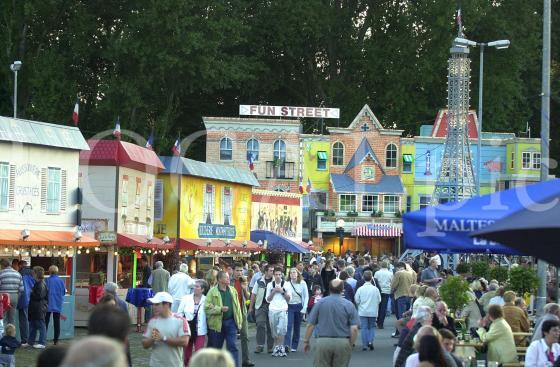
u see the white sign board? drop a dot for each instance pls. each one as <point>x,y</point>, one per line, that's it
<point>288,111</point>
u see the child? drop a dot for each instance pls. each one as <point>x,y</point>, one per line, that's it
<point>9,344</point>
<point>317,295</point>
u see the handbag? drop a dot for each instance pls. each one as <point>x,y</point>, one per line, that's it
<point>194,323</point>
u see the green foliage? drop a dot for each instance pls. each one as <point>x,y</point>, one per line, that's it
<point>463,268</point>
<point>500,273</point>
<point>454,292</point>
<point>352,214</point>
<point>480,269</point>
<point>522,280</point>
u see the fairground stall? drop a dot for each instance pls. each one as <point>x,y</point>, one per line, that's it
<point>39,202</point>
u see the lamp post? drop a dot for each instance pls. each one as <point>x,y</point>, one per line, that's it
<point>15,67</point>
<point>340,233</point>
<point>463,42</point>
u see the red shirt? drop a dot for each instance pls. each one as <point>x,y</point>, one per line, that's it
<point>237,286</point>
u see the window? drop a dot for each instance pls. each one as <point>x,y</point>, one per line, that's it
<point>158,200</point>
<point>512,164</point>
<point>279,150</point>
<point>370,203</point>
<point>391,156</point>
<point>408,203</point>
<point>424,201</point>
<point>208,204</point>
<point>390,204</point>
<point>4,185</point>
<point>124,200</point>
<point>407,163</point>
<point>526,160</point>
<point>536,160</point>
<point>253,149</point>
<point>53,190</point>
<point>138,192</point>
<point>322,158</point>
<point>338,154</point>
<point>226,149</point>
<point>226,205</point>
<point>150,199</point>
<point>347,203</point>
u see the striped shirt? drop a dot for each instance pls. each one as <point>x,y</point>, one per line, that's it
<point>10,281</point>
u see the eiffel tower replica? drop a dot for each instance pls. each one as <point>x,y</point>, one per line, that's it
<point>455,180</point>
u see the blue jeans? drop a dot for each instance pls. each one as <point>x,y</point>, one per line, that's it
<point>34,326</point>
<point>294,322</point>
<point>382,309</point>
<point>367,330</point>
<point>229,334</point>
<point>23,325</point>
<point>403,304</point>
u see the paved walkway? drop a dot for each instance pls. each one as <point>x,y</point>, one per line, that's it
<point>381,356</point>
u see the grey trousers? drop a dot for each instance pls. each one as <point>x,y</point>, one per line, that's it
<point>332,352</point>
<point>263,327</point>
<point>12,313</point>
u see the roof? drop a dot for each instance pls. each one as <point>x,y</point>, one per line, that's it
<point>191,167</point>
<point>216,245</point>
<point>275,242</point>
<point>120,153</point>
<point>41,133</point>
<point>362,152</point>
<point>343,183</point>
<point>440,126</point>
<point>44,238</point>
<point>135,240</point>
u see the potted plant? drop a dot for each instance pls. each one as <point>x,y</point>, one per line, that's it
<point>480,269</point>
<point>463,268</point>
<point>398,214</point>
<point>500,273</point>
<point>454,292</point>
<point>523,280</point>
<point>377,213</point>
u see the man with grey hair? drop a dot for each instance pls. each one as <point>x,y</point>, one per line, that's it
<point>384,278</point>
<point>406,342</point>
<point>160,278</point>
<point>551,312</point>
<point>111,288</point>
<point>96,351</point>
<point>180,285</point>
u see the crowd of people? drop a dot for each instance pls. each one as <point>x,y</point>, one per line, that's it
<point>347,298</point>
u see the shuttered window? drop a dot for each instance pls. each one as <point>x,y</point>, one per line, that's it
<point>158,200</point>
<point>53,190</point>
<point>12,187</point>
<point>4,185</point>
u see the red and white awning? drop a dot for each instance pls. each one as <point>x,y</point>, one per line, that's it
<point>377,230</point>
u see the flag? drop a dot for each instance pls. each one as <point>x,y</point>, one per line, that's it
<point>301,187</point>
<point>75,113</point>
<point>176,148</point>
<point>117,131</point>
<point>150,142</point>
<point>251,162</point>
<point>308,185</point>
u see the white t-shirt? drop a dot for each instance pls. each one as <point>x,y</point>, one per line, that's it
<point>278,302</point>
<point>171,327</point>
<point>384,278</point>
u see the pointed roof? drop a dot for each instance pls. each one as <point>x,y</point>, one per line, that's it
<point>363,151</point>
<point>342,184</point>
<point>365,111</point>
<point>440,127</point>
<point>120,153</point>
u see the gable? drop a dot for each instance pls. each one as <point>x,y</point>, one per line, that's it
<point>368,114</point>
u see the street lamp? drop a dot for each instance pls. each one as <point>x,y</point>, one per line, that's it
<point>340,232</point>
<point>15,67</point>
<point>463,42</point>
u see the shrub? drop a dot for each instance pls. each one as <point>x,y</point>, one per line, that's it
<point>454,292</point>
<point>463,268</point>
<point>480,269</point>
<point>500,273</point>
<point>523,280</point>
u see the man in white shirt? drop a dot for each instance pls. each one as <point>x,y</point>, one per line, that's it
<point>384,278</point>
<point>278,296</point>
<point>180,285</point>
<point>367,299</point>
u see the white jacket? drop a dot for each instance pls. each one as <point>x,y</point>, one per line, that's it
<point>384,278</point>
<point>186,309</point>
<point>536,354</point>
<point>180,285</point>
<point>368,299</point>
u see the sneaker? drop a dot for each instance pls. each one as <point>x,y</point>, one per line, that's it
<point>395,335</point>
<point>259,349</point>
<point>286,349</point>
<point>25,345</point>
<point>370,346</point>
<point>39,346</point>
<point>293,350</point>
<point>282,351</point>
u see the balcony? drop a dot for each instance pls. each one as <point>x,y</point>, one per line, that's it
<point>327,223</point>
<point>280,170</point>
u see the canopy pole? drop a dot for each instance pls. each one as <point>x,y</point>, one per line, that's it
<point>134,264</point>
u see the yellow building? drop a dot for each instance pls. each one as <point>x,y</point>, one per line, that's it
<point>213,215</point>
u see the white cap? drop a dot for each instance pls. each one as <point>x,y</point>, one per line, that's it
<point>161,297</point>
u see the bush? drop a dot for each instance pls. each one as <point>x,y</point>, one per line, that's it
<point>523,280</point>
<point>454,292</point>
<point>463,268</point>
<point>500,273</point>
<point>480,269</point>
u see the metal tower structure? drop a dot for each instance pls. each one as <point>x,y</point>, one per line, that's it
<point>455,180</point>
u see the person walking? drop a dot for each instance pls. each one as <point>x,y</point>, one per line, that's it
<point>57,290</point>
<point>192,309</point>
<point>384,278</point>
<point>165,334</point>
<point>328,273</point>
<point>243,295</point>
<point>400,286</point>
<point>297,307</point>
<point>224,317</point>
<point>260,305</point>
<point>430,276</point>
<point>160,278</point>
<point>23,301</point>
<point>278,297</point>
<point>11,283</point>
<point>368,300</point>
<point>336,320</point>
<point>180,284</point>
<point>38,306</point>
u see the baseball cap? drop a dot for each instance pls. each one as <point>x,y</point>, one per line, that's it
<point>161,297</point>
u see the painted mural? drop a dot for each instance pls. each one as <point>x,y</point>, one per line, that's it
<point>277,212</point>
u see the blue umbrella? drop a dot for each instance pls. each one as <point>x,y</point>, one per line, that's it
<point>276,242</point>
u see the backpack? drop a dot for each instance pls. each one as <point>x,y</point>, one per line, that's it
<point>281,285</point>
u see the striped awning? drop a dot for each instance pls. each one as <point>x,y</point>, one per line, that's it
<point>407,158</point>
<point>377,230</point>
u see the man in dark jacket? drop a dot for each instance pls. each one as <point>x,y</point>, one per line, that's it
<point>23,302</point>
<point>38,305</point>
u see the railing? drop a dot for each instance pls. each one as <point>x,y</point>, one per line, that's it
<point>327,223</point>
<point>280,169</point>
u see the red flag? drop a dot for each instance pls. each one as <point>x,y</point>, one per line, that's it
<point>176,149</point>
<point>75,113</point>
<point>308,185</point>
<point>301,187</point>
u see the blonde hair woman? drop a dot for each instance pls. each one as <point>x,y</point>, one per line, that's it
<point>297,307</point>
<point>211,357</point>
